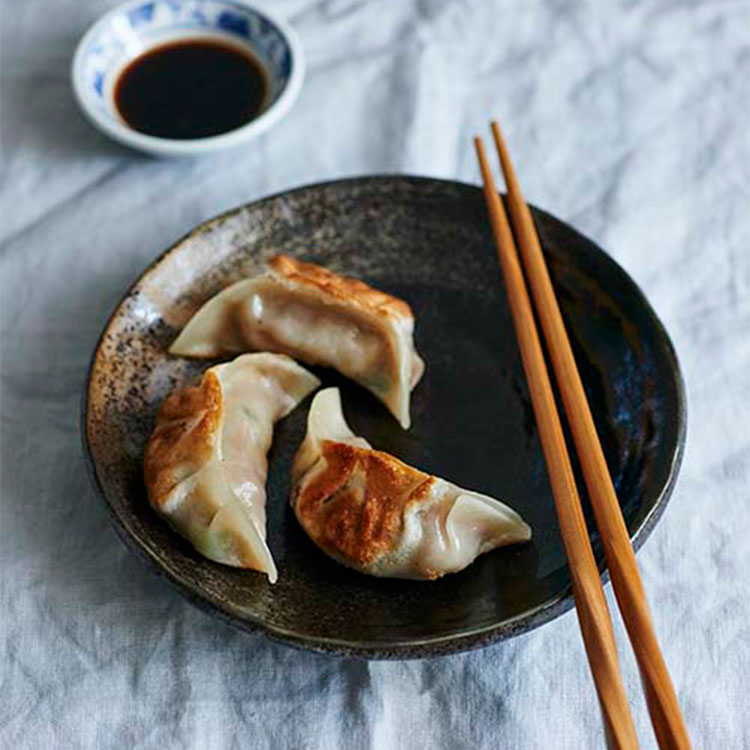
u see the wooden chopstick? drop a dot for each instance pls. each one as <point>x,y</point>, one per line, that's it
<point>591,606</point>
<point>666,717</point>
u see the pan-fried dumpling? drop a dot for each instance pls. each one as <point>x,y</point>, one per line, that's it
<point>205,465</point>
<point>372,512</point>
<point>318,317</point>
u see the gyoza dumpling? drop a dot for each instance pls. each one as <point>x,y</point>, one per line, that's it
<point>374,513</point>
<point>205,465</point>
<point>318,317</point>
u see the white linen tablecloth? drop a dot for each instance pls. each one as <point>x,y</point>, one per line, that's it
<point>628,119</point>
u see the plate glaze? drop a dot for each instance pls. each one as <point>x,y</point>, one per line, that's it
<point>426,241</point>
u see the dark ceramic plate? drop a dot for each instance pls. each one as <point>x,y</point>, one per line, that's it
<point>428,242</point>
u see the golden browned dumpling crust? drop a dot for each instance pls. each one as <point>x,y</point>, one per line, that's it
<point>341,287</point>
<point>206,462</point>
<point>354,507</point>
<point>318,317</point>
<point>376,514</point>
<point>187,428</point>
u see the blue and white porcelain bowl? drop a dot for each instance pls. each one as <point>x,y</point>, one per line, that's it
<point>136,26</point>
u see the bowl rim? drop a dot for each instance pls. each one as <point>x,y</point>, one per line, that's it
<point>156,145</point>
<point>411,648</point>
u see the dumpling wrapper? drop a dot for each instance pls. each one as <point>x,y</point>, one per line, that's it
<point>205,464</point>
<point>318,317</point>
<point>374,513</point>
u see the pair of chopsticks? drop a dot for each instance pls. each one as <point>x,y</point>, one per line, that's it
<point>591,606</point>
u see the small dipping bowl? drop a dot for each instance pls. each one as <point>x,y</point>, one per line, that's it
<point>136,27</point>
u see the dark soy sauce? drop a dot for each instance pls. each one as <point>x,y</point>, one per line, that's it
<point>191,90</point>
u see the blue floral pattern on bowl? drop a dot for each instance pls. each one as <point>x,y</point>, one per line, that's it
<point>149,23</point>
<point>138,25</point>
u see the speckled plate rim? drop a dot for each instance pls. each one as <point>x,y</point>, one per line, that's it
<point>411,648</point>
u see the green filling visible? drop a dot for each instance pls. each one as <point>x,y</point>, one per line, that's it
<point>380,382</point>
<point>214,544</point>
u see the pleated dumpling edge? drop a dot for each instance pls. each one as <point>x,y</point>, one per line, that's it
<point>319,317</point>
<point>205,464</point>
<point>376,514</point>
